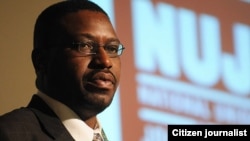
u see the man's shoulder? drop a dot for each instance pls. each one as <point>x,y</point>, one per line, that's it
<point>15,124</point>
<point>17,117</point>
<point>29,123</point>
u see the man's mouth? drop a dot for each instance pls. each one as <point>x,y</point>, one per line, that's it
<point>101,83</point>
<point>101,80</point>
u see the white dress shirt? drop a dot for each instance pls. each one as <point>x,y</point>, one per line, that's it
<point>78,129</point>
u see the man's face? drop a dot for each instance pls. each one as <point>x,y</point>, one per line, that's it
<point>86,83</point>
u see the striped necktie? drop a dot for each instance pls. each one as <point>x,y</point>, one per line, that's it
<point>97,137</point>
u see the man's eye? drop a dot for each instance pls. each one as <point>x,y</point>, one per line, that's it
<point>85,46</point>
<point>111,49</point>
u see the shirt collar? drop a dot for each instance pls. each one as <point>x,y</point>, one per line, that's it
<point>78,129</point>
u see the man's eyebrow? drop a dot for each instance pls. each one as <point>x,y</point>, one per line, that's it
<point>113,40</point>
<point>91,37</point>
<point>87,35</point>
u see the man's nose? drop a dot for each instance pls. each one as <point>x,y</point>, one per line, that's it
<point>102,58</point>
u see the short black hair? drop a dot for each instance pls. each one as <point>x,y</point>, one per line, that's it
<point>48,25</point>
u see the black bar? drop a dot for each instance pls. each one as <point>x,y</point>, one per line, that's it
<point>208,132</point>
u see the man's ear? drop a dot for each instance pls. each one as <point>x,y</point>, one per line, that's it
<point>39,60</point>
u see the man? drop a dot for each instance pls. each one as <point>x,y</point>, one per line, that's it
<point>76,59</point>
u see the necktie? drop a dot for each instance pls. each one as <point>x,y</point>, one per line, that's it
<point>97,137</point>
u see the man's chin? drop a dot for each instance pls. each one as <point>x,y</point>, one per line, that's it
<point>98,101</point>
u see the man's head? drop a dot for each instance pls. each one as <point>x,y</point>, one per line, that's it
<point>76,56</point>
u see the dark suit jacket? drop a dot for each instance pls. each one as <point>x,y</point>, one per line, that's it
<point>36,122</point>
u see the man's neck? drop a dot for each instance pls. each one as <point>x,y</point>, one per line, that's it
<point>91,122</point>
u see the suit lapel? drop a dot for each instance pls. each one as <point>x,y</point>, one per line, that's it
<point>49,121</point>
